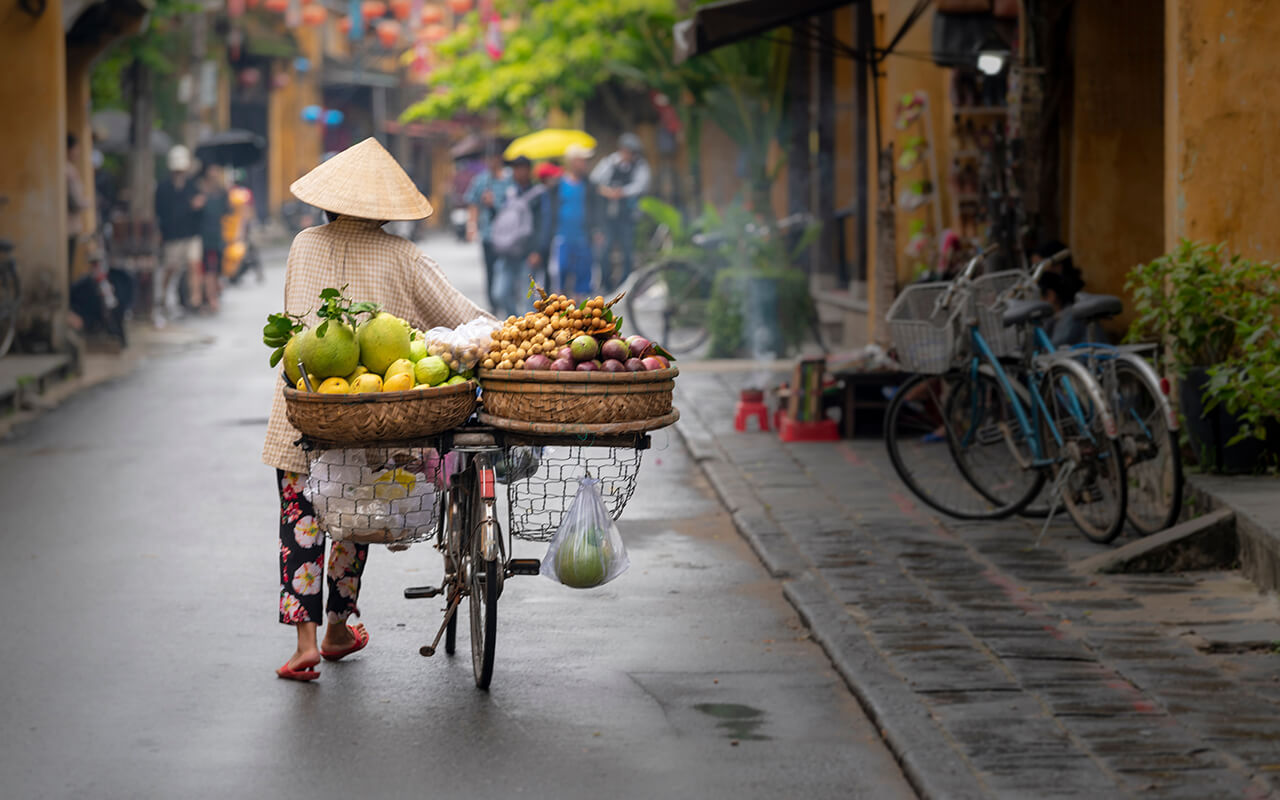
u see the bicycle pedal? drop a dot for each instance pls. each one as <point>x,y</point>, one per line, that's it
<point>524,566</point>
<point>420,592</point>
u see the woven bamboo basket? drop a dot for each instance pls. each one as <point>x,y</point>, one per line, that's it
<point>577,397</point>
<point>359,420</point>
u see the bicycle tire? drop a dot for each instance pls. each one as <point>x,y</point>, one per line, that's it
<point>992,452</point>
<point>670,292</point>
<point>10,300</point>
<point>1153,459</point>
<point>482,578</point>
<point>924,460</point>
<point>1095,492</point>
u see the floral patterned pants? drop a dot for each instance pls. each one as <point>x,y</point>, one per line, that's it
<point>302,561</point>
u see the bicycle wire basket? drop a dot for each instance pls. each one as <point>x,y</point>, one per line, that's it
<point>376,495</point>
<point>985,306</point>
<point>538,501</point>
<point>924,335</point>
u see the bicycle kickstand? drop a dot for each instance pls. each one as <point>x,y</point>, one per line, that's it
<point>430,649</point>
<point>1055,494</point>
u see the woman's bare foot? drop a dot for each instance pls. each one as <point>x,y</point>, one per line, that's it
<point>338,637</point>
<point>307,655</point>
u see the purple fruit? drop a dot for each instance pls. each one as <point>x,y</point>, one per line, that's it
<point>611,365</point>
<point>638,345</point>
<point>584,348</point>
<point>565,353</point>
<point>537,361</point>
<point>615,349</point>
<point>587,366</point>
<point>652,363</point>
<point>634,365</point>
<point>563,365</point>
<point>663,361</point>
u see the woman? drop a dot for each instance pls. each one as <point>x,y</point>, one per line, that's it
<point>360,189</point>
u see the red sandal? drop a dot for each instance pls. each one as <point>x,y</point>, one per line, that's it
<point>338,655</point>
<point>303,673</point>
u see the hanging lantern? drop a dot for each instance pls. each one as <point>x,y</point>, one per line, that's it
<point>372,9</point>
<point>510,25</point>
<point>312,114</point>
<point>434,33</point>
<point>432,14</point>
<point>252,3</point>
<point>307,2</point>
<point>400,8</point>
<point>460,6</point>
<point>249,77</point>
<point>344,26</point>
<point>314,15</point>
<point>388,31</point>
<point>279,80</point>
<point>333,117</point>
<point>276,6</point>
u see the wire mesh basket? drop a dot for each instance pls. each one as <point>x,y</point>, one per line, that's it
<point>539,500</point>
<point>924,335</point>
<point>376,495</point>
<point>1003,341</point>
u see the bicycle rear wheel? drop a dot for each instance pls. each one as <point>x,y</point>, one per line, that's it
<point>9,301</point>
<point>921,438</point>
<point>1094,492</point>
<point>482,581</point>
<point>991,446</point>
<point>1153,460</point>
<point>668,304</point>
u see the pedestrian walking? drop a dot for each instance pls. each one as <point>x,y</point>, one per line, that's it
<point>577,207</point>
<point>360,190</point>
<point>216,206</point>
<point>483,198</point>
<point>520,235</point>
<point>623,178</point>
<point>548,174</point>
<point>178,204</point>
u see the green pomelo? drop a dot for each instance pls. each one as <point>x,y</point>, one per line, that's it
<point>383,340</point>
<point>292,351</point>
<point>431,370</point>
<point>580,566</point>
<point>333,355</point>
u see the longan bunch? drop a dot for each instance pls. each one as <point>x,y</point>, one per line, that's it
<point>555,321</point>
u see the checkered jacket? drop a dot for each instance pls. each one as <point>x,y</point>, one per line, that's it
<point>374,266</point>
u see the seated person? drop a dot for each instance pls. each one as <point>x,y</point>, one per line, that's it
<point>1063,329</point>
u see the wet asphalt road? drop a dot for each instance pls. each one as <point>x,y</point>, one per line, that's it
<point>140,636</point>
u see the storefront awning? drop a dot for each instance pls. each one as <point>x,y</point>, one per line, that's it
<point>723,23</point>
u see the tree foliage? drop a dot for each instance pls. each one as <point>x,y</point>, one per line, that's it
<point>155,47</point>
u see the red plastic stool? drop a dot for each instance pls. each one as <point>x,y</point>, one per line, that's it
<point>751,404</point>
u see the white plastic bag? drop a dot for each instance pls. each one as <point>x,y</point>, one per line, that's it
<point>462,347</point>
<point>586,550</point>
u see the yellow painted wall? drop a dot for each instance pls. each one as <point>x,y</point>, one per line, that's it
<point>294,147</point>
<point>1116,194</point>
<point>1223,175</point>
<point>32,148</point>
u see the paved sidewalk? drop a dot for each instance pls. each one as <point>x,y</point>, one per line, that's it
<point>992,668</point>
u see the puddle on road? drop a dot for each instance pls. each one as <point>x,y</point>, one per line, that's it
<point>737,721</point>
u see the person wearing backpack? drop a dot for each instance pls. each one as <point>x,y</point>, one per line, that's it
<point>520,232</point>
<point>623,177</point>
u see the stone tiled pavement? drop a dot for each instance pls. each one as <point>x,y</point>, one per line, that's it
<point>992,667</point>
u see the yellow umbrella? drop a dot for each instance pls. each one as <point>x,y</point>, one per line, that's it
<point>548,143</point>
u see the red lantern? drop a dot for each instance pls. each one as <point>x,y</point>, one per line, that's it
<point>314,15</point>
<point>372,9</point>
<point>431,14</point>
<point>277,6</point>
<point>400,8</point>
<point>250,77</point>
<point>460,6</point>
<point>434,33</point>
<point>388,32</point>
<point>344,26</point>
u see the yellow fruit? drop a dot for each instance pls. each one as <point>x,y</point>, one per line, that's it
<point>398,382</point>
<point>383,340</point>
<point>336,353</point>
<point>334,386</point>
<point>356,373</point>
<point>367,382</point>
<point>400,365</point>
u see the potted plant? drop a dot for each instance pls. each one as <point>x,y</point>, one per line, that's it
<point>1220,315</point>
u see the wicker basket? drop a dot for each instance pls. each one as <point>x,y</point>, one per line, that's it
<point>358,420</point>
<point>577,397</point>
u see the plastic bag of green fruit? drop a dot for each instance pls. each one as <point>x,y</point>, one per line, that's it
<point>586,550</point>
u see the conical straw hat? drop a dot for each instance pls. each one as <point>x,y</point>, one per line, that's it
<point>363,181</point>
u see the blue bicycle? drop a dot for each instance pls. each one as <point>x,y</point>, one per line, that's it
<point>995,413</point>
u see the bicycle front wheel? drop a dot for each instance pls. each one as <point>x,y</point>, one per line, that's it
<point>921,440</point>
<point>1153,461</point>
<point>1094,491</point>
<point>668,304</point>
<point>991,445</point>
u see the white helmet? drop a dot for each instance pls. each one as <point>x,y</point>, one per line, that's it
<point>179,159</point>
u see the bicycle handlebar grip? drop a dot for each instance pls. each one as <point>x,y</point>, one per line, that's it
<point>1060,256</point>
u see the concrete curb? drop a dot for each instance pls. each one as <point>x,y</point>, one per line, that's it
<point>933,766</point>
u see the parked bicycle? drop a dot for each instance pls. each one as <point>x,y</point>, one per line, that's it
<point>10,293</point>
<point>995,413</point>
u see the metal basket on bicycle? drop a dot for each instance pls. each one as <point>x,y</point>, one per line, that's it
<point>538,497</point>
<point>376,495</point>
<point>983,302</point>
<point>924,335</point>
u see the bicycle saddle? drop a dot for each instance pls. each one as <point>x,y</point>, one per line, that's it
<point>1090,307</point>
<point>1020,312</point>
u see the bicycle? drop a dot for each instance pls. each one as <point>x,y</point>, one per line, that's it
<point>10,293</point>
<point>1005,439</point>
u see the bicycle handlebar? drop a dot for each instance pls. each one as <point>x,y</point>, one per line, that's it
<point>945,300</point>
<point>1056,258</point>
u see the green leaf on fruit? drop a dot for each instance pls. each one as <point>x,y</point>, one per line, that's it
<point>276,355</point>
<point>322,329</point>
<point>660,350</point>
